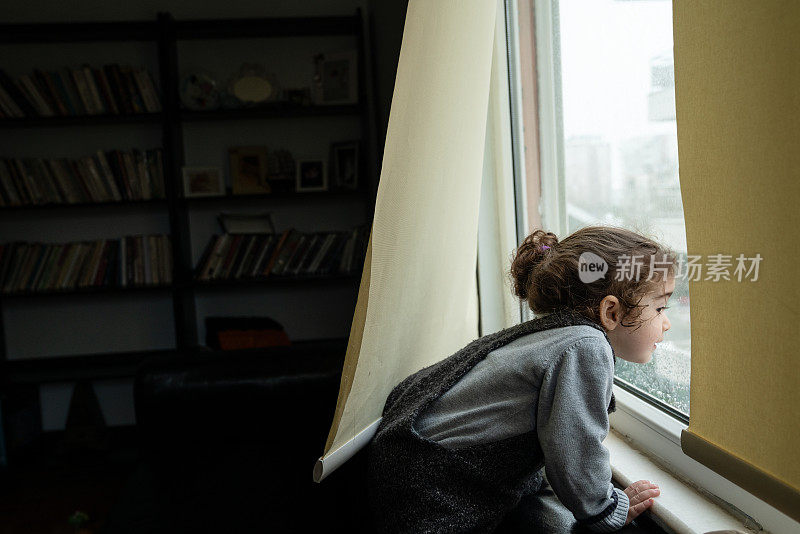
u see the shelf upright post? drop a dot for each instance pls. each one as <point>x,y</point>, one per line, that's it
<point>183,292</point>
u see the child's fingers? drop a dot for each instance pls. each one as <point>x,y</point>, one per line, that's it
<point>635,510</point>
<point>645,494</point>
<point>638,487</point>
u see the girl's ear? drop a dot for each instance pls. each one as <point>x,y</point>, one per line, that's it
<point>610,312</point>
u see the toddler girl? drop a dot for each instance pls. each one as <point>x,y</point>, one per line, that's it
<point>462,441</point>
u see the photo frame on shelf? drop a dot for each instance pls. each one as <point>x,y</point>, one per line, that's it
<point>281,171</point>
<point>312,175</point>
<point>203,182</point>
<point>249,170</point>
<point>336,78</point>
<point>345,164</point>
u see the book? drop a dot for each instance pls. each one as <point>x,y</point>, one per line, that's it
<point>7,184</point>
<point>30,90</point>
<point>94,91</point>
<point>147,259</point>
<point>267,268</point>
<point>156,172</point>
<point>35,195</point>
<point>77,178</point>
<point>330,260</point>
<point>84,93</point>
<point>129,83</point>
<point>265,251</point>
<point>118,92</point>
<point>66,94</point>
<point>16,95</point>
<point>9,106</point>
<point>108,175</point>
<point>296,256</point>
<point>232,256</point>
<point>319,239</point>
<point>42,174</point>
<point>218,257</point>
<point>247,256</point>
<point>141,173</point>
<point>131,175</point>
<point>105,91</point>
<point>147,90</point>
<point>49,91</point>
<point>286,251</point>
<point>312,269</point>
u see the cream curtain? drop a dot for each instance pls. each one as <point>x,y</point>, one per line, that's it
<point>497,233</point>
<point>417,301</point>
<point>737,80</point>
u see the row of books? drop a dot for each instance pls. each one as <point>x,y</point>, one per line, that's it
<point>290,253</point>
<point>134,260</point>
<point>112,176</point>
<point>111,90</point>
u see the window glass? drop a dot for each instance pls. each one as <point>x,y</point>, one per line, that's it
<point>620,150</point>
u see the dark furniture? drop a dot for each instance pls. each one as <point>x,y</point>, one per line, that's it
<point>228,443</point>
<point>20,378</point>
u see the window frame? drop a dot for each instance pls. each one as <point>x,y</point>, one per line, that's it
<point>651,425</point>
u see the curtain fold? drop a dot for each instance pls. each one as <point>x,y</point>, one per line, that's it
<point>497,231</point>
<point>737,80</point>
<point>417,301</point>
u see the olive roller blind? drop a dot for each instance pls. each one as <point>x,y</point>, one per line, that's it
<point>737,81</point>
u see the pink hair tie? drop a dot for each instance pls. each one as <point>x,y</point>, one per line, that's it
<point>545,247</point>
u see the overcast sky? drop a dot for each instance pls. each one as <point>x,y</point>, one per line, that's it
<point>606,48</point>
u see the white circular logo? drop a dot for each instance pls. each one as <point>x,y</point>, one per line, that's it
<point>591,267</point>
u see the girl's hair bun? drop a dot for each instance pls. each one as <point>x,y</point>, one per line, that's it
<point>546,272</point>
<point>534,250</point>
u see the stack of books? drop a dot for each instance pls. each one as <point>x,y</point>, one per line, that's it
<point>289,254</point>
<point>137,260</point>
<point>110,90</point>
<point>112,176</point>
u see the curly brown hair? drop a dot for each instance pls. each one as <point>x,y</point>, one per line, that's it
<point>548,278</point>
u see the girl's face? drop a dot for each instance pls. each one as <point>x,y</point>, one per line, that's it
<point>636,343</point>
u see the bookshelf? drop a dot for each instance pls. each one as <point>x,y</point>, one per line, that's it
<point>185,220</point>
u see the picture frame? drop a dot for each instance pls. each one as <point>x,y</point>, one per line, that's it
<point>345,164</point>
<point>312,175</point>
<point>336,80</point>
<point>248,167</point>
<point>281,171</point>
<point>203,182</point>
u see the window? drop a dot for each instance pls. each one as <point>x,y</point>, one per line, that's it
<point>609,149</point>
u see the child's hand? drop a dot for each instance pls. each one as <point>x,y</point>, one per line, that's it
<point>640,495</point>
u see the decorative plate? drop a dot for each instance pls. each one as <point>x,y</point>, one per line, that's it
<point>254,85</point>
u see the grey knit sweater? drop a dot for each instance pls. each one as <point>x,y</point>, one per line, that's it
<point>462,440</point>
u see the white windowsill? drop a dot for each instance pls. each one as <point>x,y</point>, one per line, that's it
<point>679,508</point>
<point>645,445</point>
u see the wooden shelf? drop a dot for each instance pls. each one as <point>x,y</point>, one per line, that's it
<point>60,32</point>
<point>278,281</point>
<point>267,27</point>
<point>114,204</point>
<point>68,368</point>
<point>99,290</point>
<point>290,195</point>
<point>82,120</point>
<point>270,111</point>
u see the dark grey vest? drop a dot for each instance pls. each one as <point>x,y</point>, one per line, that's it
<point>418,486</point>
